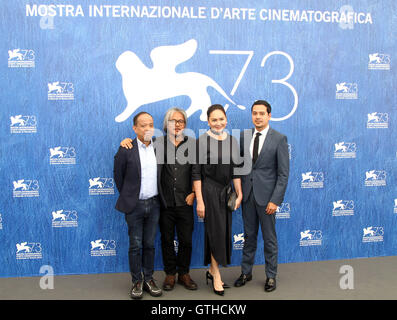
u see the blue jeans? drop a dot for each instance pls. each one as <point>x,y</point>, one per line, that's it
<point>142,227</point>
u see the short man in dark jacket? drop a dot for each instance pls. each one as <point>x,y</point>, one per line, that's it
<point>137,177</point>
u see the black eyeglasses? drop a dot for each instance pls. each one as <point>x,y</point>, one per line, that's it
<point>180,122</point>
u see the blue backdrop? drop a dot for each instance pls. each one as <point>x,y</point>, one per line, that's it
<point>74,73</point>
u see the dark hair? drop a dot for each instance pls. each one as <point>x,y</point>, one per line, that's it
<point>263,103</point>
<point>138,115</point>
<point>215,107</point>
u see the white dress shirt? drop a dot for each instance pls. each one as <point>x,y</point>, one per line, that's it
<point>262,138</point>
<point>148,171</point>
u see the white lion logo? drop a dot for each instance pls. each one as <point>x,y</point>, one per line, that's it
<point>368,231</point>
<point>23,247</point>
<point>15,54</point>
<point>238,237</point>
<point>373,117</point>
<point>19,184</point>
<point>56,152</point>
<point>143,85</point>
<point>58,214</point>
<point>341,87</point>
<point>97,244</point>
<point>54,87</point>
<point>95,182</point>
<point>17,120</point>
<point>306,234</point>
<point>340,146</point>
<point>338,205</point>
<point>307,176</point>
<point>370,175</point>
<point>374,57</point>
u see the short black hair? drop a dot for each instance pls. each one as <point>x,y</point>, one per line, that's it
<point>215,107</point>
<point>138,115</point>
<point>263,103</point>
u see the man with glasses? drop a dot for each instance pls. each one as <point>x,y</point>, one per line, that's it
<point>176,183</point>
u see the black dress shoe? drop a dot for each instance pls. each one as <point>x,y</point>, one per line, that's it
<point>270,284</point>
<point>151,287</point>
<point>136,290</point>
<point>242,280</point>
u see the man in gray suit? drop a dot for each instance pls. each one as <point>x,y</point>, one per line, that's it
<point>263,191</point>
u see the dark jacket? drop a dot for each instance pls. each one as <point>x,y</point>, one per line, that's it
<point>127,176</point>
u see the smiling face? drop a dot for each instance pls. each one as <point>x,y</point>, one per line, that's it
<point>144,127</point>
<point>217,120</point>
<point>260,117</point>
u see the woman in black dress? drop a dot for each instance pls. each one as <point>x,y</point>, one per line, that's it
<point>217,155</point>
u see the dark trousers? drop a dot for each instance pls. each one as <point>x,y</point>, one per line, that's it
<point>142,227</point>
<point>181,219</point>
<point>253,216</point>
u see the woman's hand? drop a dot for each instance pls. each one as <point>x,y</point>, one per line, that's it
<point>126,143</point>
<point>238,202</point>
<point>200,209</point>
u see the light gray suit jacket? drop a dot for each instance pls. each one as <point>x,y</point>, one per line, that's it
<point>268,177</point>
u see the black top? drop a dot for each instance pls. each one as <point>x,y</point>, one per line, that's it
<point>217,159</point>
<point>176,178</point>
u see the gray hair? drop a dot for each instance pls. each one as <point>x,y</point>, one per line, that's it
<point>169,114</point>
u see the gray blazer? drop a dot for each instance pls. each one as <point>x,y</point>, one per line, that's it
<point>268,177</point>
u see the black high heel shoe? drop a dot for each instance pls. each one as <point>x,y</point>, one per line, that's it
<point>209,276</point>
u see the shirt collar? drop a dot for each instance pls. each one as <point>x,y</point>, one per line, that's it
<point>263,132</point>
<point>142,145</point>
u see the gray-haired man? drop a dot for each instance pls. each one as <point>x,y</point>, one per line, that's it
<point>176,150</point>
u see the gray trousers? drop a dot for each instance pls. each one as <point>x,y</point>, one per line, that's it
<point>253,216</point>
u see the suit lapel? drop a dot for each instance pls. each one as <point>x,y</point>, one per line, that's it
<point>135,153</point>
<point>265,145</point>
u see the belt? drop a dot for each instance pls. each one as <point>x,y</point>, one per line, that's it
<point>150,199</point>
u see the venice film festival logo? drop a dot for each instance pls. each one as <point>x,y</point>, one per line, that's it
<point>373,234</point>
<point>345,150</point>
<point>311,238</point>
<point>62,155</point>
<point>143,85</point>
<point>64,218</point>
<point>101,186</point>
<point>23,124</point>
<point>377,120</point>
<point>283,211</point>
<point>343,208</point>
<point>25,188</point>
<point>346,90</point>
<point>60,90</point>
<point>101,248</point>
<point>379,61</point>
<point>21,58</point>
<point>238,241</point>
<point>312,180</point>
<point>375,178</point>
<point>28,250</point>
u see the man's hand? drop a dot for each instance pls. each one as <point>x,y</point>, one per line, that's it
<point>271,208</point>
<point>126,143</point>
<point>190,199</point>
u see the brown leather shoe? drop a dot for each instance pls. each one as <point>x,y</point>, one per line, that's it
<point>169,282</point>
<point>187,282</point>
